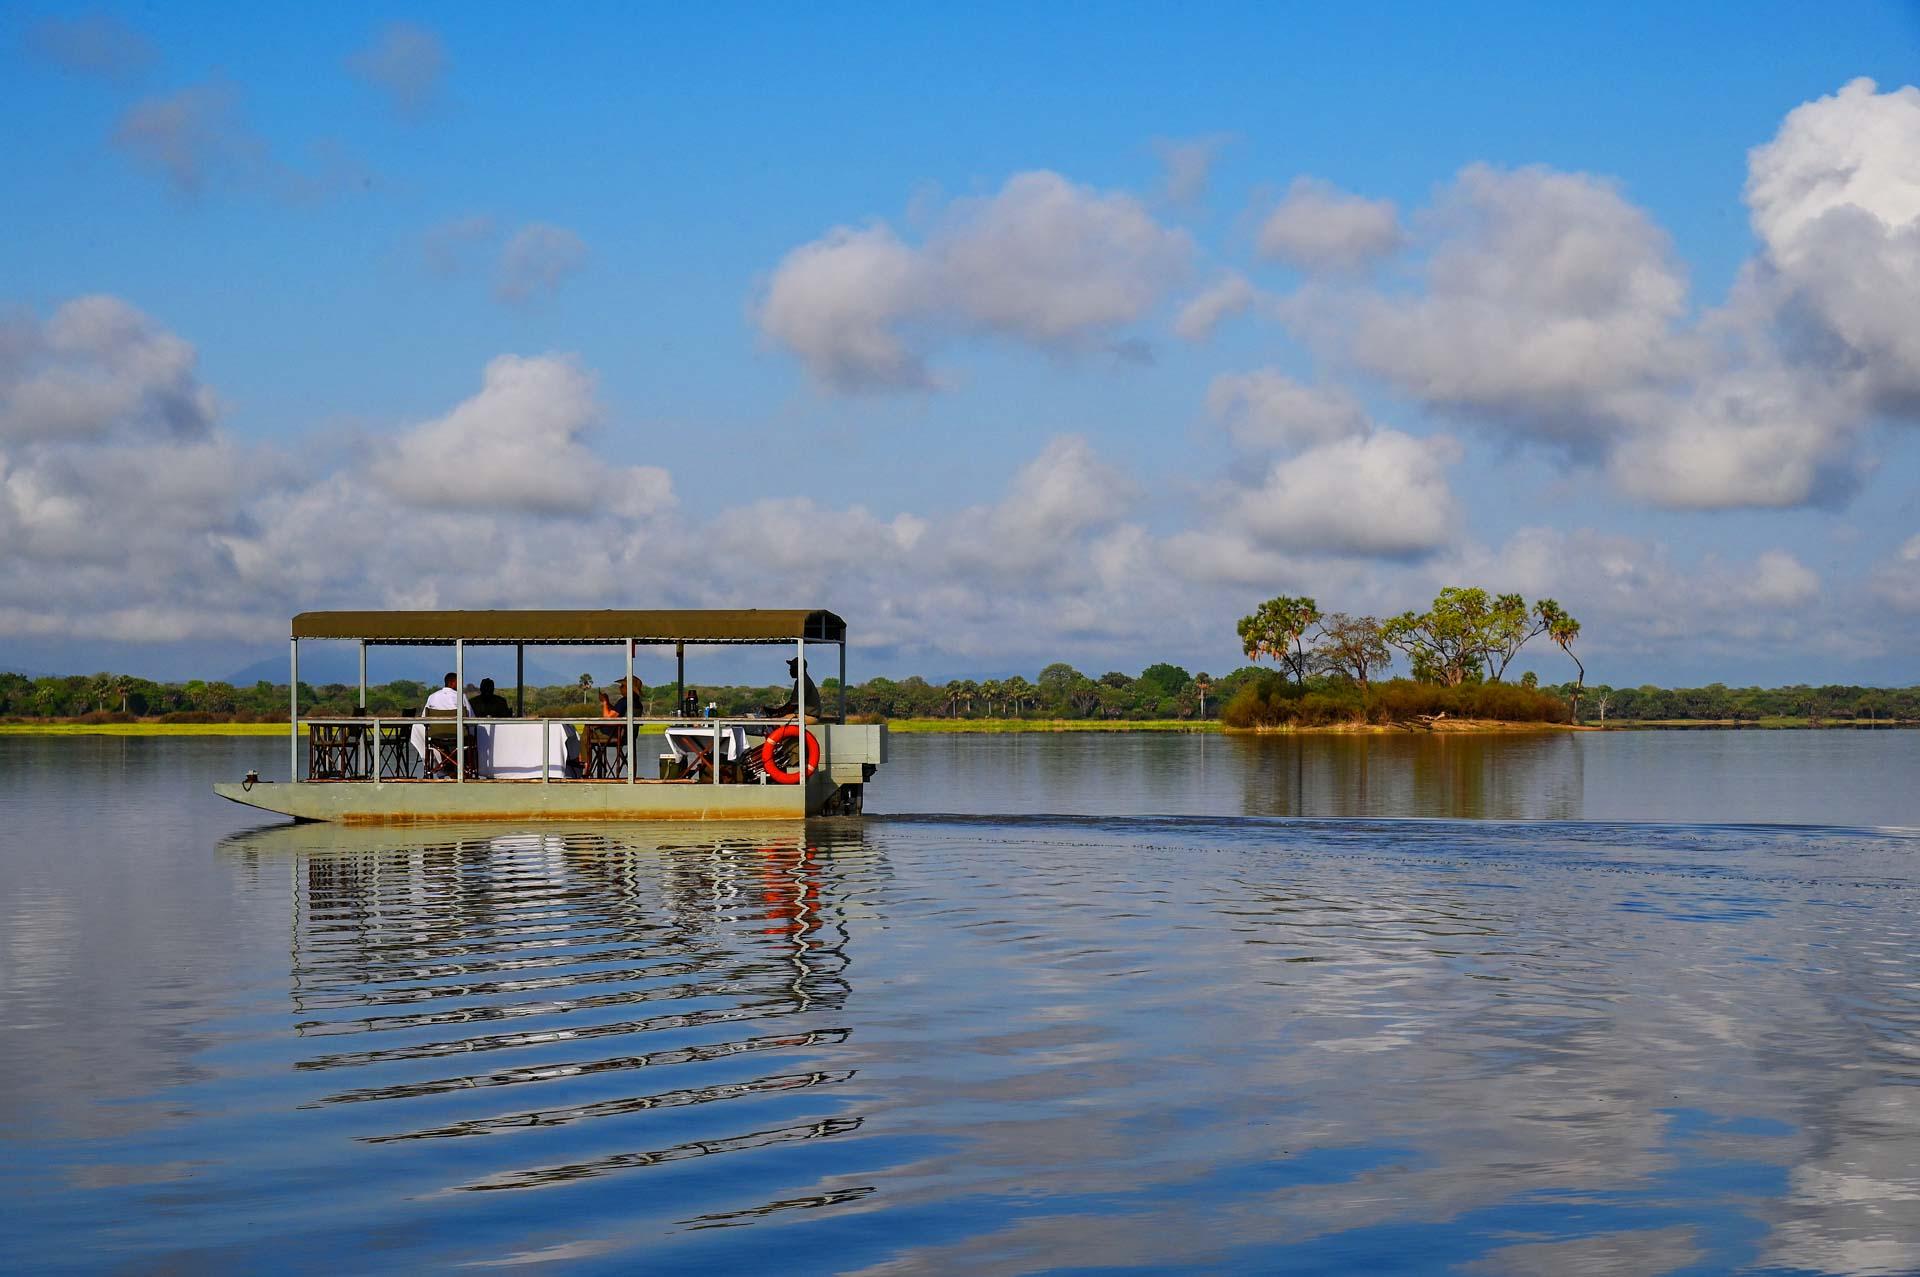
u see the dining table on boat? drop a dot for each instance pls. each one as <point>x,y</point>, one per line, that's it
<point>692,743</point>
<point>512,751</point>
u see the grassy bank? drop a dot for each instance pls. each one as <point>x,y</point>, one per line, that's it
<point>144,729</point>
<point>996,726</point>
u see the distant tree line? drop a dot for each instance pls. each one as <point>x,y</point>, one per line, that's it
<point>1336,668</point>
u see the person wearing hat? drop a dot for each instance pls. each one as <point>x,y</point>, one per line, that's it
<point>618,709</point>
<point>793,700</point>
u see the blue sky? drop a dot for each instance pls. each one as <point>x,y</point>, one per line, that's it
<point>344,215</point>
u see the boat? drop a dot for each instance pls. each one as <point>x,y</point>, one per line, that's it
<point>456,766</point>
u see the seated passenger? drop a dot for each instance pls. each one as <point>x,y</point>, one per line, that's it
<point>490,704</point>
<point>448,696</point>
<point>618,709</point>
<point>793,701</point>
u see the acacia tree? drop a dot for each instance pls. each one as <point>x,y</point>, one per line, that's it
<point>1446,643</point>
<point>1352,646</point>
<point>1509,627</point>
<point>1468,633</point>
<point>1276,631</point>
<point>1563,630</point>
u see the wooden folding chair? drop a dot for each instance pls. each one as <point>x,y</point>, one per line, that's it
<point>441,750</point>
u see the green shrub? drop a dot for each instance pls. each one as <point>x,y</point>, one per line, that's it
<point>1271,701</point>
<point>1261,701</point>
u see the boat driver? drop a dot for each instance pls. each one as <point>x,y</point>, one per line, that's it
<point>793,699</point>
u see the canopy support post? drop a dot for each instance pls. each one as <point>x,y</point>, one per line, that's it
<point>363,673</point>
<point>293,714</point>
<point>843,679</point>
<point>628,696</point>
<point>459,711</point>
<point>680,681</point>
<point>519,680</point>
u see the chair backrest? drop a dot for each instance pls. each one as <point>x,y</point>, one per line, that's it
<point>440,730</point>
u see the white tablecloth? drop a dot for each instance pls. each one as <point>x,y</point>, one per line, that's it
<point>685,741</point>
<point>511,751</point>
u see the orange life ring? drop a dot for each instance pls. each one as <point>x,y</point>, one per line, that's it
<point>779,774</point>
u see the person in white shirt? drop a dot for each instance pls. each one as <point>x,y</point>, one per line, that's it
<point>449,696</point>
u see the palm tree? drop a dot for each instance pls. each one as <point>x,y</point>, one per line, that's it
<point>963,690</point>
<point>990,692</point>
<point>1563,629</point>
<point>586,686</point>
<point>1013,692</point>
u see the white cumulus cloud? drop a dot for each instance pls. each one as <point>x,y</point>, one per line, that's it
<point>1268,409</point>
<point>1835,199</point>
<point>519,445</point>
<point>840,304</point>
<point>1382,495</point>
<point>1045,262</point>
<point>98,366</point>
<point>1551,309</point>
<point>1318,226</point>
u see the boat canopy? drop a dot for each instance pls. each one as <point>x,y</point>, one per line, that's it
<point>748,625</point>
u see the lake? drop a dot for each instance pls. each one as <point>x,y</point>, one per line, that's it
<point>1622,1003</point>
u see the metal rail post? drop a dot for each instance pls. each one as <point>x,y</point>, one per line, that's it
<point>800,717</point>
<point>628,694</point>
<point>293,715</point>
<point>363,713</point>
<point>459,711</point>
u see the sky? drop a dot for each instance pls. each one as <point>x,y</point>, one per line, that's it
<point>1010,335</point>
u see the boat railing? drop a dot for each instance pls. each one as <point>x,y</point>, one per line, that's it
<point>379,748</point>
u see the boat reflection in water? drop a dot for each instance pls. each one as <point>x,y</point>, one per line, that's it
<point>560,986</point>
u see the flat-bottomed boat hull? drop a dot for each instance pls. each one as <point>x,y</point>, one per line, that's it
<point>396,803</point>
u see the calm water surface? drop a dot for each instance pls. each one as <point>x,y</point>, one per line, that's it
<point>1654,1010</point>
